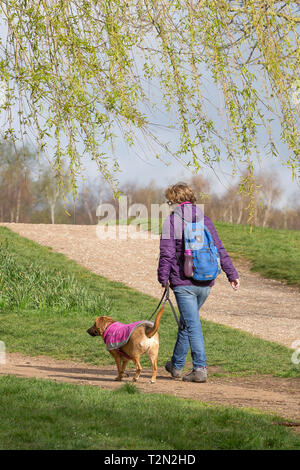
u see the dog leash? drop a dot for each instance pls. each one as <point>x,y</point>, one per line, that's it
<point>166,295</point>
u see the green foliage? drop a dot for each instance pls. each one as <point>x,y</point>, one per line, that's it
<point>78,71</point>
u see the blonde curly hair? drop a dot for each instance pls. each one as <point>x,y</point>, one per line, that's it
<point>180,192</point>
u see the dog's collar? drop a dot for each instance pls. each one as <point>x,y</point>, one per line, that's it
<point>109,325</point>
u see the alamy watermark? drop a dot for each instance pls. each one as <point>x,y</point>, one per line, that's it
<point>296,354</point>
<point>2,353</point>
<point>132,221</point>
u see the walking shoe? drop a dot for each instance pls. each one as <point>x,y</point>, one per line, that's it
<point>198,375</point>
<point>176,373</point>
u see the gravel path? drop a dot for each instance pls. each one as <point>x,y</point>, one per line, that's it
<point>263,307</point>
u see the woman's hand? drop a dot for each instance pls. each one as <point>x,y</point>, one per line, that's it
<point>235,284</point>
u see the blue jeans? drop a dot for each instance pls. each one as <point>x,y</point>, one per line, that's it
<point>189,300</point>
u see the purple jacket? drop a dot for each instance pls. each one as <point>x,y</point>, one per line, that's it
<point>171,261</point>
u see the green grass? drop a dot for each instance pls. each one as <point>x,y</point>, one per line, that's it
<point>47,302</point>
<point>40,414</point>
<point>274,254</point>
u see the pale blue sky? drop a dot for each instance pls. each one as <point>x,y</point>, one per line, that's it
<point>140,165</point>
<point>143,169</point>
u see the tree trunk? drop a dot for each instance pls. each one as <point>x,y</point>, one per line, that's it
<point>230,214</point>
<point>267,211</point>
<point>52,211</point>
<point>89,212</point>
<point>18,206</point>
<point>241,207</point>
<point>90,215</point>
<point>285,225</point>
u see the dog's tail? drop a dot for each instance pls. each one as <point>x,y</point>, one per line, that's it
<point>151,331</point>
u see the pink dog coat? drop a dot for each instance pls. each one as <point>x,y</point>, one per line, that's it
<point>118,334</point>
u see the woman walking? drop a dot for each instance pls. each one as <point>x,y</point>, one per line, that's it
<point>190,294</point>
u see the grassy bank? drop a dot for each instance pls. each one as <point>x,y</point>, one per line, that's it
<point>38,414</point>
<point>47,302</point>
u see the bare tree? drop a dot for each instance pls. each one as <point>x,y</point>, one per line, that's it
<point>49,190</point>
<point>15,182</point>
<point>269,192</point>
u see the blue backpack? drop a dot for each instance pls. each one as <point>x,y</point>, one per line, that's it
<point>206,258</point>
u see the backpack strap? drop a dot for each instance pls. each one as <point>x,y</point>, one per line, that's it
<point>178,212</point>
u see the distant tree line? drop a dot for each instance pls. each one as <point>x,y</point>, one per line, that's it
<point>31,192</point>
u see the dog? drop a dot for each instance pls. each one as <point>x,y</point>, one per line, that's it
<point>144,339</point>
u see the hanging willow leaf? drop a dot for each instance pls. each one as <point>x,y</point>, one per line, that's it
<point>80,73</point>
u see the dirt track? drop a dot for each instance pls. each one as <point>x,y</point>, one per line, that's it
<point>265,308</point>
